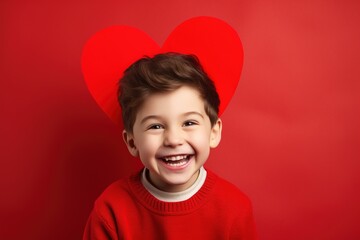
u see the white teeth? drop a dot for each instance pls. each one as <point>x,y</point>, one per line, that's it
<point>176,161</point>
<point>175,158</point>
<point>177,164</point>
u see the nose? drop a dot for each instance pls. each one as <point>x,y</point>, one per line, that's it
<point>173,137</point>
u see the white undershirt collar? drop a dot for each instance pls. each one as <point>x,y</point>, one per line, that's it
<point>175,196</point>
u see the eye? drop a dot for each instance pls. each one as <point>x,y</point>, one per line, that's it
<point>155,126</point>
<point>190,123</point>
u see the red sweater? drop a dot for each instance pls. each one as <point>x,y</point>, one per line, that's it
<point>126,210</point>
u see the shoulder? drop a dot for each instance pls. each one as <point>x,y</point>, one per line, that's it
<point>237,208</point>
<point>118,193</point>
<point>228,193</point>
<point>111,208</point>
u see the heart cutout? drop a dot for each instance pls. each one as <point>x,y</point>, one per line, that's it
<point>110,51</point>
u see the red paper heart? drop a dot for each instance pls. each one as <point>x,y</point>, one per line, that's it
<point>109,52</point>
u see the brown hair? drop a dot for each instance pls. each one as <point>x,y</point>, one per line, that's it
<point>162,73</point>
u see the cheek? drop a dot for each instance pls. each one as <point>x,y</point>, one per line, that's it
<point>149,146</point>
<point>200,139</point>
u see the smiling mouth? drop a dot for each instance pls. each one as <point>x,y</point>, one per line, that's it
<point>176,161</point>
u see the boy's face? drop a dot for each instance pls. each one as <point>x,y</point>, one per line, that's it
<point>172,135</point>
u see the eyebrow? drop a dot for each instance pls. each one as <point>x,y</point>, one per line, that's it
<point>149,117</point>
<point>158,117</point>
<point>193,112</point>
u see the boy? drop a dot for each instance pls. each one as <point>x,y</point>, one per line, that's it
<point>170,113</point>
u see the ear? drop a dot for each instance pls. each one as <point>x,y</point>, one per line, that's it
<point>130,143</point>
<point>215,135</point>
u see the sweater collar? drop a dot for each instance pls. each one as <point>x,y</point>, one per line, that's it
<point>146,199</point>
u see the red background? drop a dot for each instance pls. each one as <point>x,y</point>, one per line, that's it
<point>291,133</point>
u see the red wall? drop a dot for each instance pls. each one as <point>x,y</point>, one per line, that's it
<point>291,137</point>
